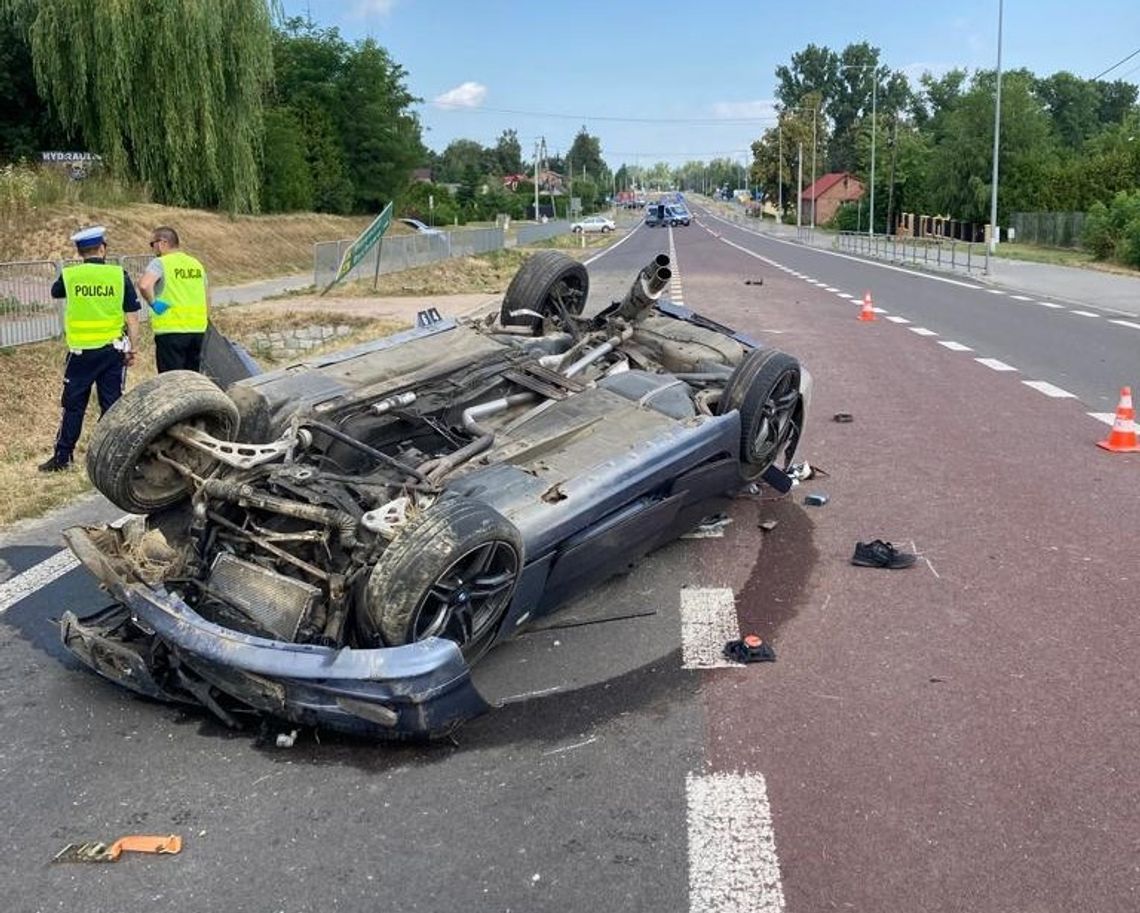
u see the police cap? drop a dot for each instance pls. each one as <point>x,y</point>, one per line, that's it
<point>89,237</point>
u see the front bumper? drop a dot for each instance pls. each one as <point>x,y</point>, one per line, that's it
<point>156,645</point>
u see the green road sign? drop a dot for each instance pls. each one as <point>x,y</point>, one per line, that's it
<point>360,248</point>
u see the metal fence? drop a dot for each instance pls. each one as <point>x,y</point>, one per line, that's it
<point>404,252</point>
<point>529,234</point>
<point>1054,229</point>
<point>28,313</point>
<point>948,254</point>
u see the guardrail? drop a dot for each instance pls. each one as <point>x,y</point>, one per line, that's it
<point>936,253</point>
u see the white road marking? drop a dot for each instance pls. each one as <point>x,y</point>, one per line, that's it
<point>995,364</point>
<point>1049,304</point>
<point>40,575</point>
<point>845,295</point>
<point>830,289</point>
<point>613,246</point>
<point>1048,389</point>
<point>995,291</point>
<point>894,319</point>
<point>1109,418</point>
<point>733,867</point>
<point>676,292</point>
<point>954,346</point>
<point>1084,313</point>
<point>922,331</point>
<point>878,310</point>
<point>708,622</point>
<point>1020,297</point>
<point>1126,323</point>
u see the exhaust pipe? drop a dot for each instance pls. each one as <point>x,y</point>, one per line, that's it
<point>646,288</point>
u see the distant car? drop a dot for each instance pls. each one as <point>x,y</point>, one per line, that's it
<point>418,226</point>
<point>665,214</point>
<point>679,215</point>
<point>593,223</point>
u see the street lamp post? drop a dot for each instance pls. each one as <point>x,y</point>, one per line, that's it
<point>997,132</point>
<point>780,173</point>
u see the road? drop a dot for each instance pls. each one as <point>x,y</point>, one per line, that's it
<point>958,736</point>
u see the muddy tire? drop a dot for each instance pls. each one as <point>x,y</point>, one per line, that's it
<point>765,388</point>
<point>450,573</point>
<point>123,457</point>
<point>544,281</point>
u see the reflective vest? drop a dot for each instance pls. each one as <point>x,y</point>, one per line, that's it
<point>184,289</point>
<point>94,315</point>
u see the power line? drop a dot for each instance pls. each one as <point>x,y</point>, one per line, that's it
<point>1115,65</point>
<point>706,121</point>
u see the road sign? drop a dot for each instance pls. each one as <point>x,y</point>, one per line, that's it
<point>360,248</point>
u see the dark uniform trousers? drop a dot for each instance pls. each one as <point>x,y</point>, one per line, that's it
<point>102,368</point>
<point>178,351</point>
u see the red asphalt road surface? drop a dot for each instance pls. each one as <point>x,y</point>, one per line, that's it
<point>961,735</point>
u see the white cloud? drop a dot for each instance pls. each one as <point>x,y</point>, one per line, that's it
<point>467,95</point>
<point>365,9</point>
<point>744,110</point>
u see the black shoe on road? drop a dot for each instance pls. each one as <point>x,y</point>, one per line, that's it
<point>55,464</point>
<point>881,554</point>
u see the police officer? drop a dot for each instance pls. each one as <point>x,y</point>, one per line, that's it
<point>99,296</point>
<point>174,285</point>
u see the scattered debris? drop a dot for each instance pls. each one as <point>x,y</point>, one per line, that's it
<point>816,499</point>
<point>751,648</point>
<point>843,418</point>
<point>768,525</point>
<point>754,281</point>
<point>94,851</point>
<point>881,554</point>
<point>710,528</point>
<point>286,739</point>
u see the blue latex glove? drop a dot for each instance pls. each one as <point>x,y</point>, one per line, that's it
<point>159,306</point>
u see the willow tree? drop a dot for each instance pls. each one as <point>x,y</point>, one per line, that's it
<point>167,91</point>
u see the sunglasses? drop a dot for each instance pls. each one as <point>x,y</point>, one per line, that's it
<point>153,243</point>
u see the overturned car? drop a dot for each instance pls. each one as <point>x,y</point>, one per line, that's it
<point>334,543</point>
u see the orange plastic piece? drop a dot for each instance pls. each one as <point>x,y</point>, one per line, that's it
<point>140,843</point>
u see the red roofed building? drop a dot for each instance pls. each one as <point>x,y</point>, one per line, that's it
<point>827,194</point>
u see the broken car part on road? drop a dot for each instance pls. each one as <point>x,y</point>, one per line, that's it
<point>334,543</point>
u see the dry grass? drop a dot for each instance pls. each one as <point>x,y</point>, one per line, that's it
<point>31,378</point>
<point>234,249</point>
<point>486,273</point>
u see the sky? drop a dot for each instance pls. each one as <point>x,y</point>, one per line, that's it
<point>679,81</point>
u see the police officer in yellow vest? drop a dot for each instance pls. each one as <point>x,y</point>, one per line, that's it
<point>175,286</point>
<point>100,299</point>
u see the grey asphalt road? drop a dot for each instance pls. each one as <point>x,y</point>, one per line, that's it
<point>959,736</point>
<point>1076,347</point>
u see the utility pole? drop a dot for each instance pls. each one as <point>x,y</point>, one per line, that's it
<point>891,189</point>
<point>997,134</point>
<point>780,171</point>
<point>874,131</point>
<point>800,188</point>
<point>813,148</point>
<point>536,180</point>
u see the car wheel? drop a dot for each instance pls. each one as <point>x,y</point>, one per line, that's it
<point>450,573</point>
<point>545,282</point>
<point>606,229</point>
<point>765,388</point>
<point>125,459</point>
<point>577,229</point>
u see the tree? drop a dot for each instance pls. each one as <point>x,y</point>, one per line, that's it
<point>814,69</point>
<point>169,93</point>
<point>287,184</point>
<point>26,127</point>
<point>508,154</point>
<point>585,157</point>
<point>381,134</point>
<point>460,156</point>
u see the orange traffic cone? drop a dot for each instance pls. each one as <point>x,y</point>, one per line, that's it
<point>1122,437</point>
<point>868,311</point>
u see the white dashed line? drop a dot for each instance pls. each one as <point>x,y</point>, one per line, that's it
<point>1020,297</point>
<point>733,867</point>
<point>1048,389</point>
<point>954,346</point>
<point>994,364</point>
<point>878,310</point>
<point>1109,418</point>
<point>845,295</point>
<point>922,331</point>
<point>1126,323</point>
<point>40,575</point>
<point>708,622</point>
<point>894,319</point>
<point>1048,304</point>
<point>830,289</point>
<point>1084,313</point>
<point>995,291</point>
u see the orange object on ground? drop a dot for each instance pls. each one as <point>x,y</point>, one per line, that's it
<point>135,843</point>
<point>868,311</point>
<point>1122,437</point>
